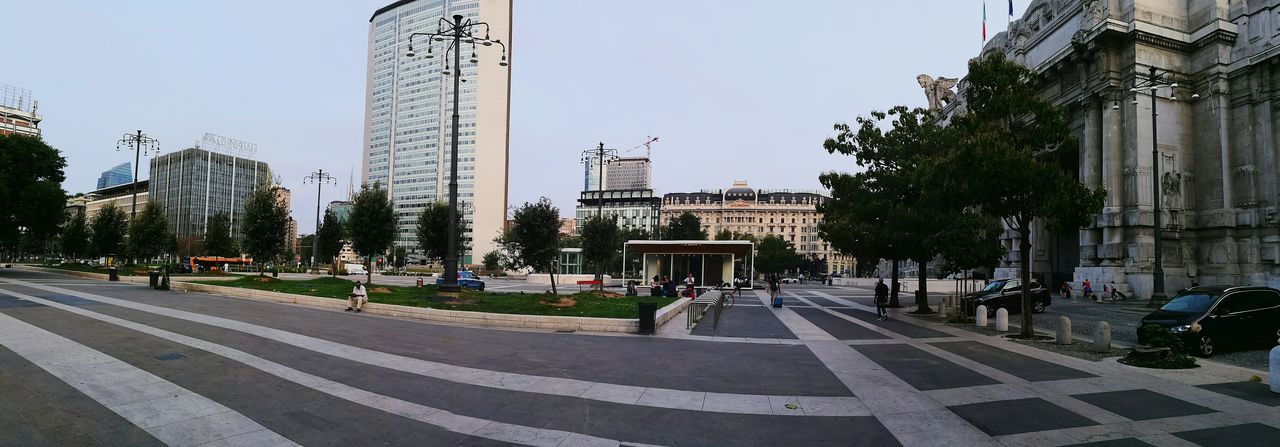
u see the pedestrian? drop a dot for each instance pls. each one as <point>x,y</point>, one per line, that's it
<point>775,288</point>
<point>357,298</point>
<point>882,299</point>
<point>1087,290</point>
<point>669,287</point>
<point>1116,294</point>
<point>689,283</point>
<point>737,285</point>
<point>1065,290</point>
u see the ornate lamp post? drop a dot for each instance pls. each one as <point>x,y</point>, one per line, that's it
<point>320,178</point>
<point>140,144</point>
<point>1156,79</point>
<point>458,31</point>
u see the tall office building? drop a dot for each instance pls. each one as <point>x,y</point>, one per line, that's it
<point>18,112</point>
<point>118,175</point>
<point>408,117</point>
<point>193,184</point>
<point>592,173</point>
<point>628,173</point>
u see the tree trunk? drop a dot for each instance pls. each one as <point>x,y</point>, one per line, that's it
<point>1024,254</point>
<point>552,273</point>
<point>368,270</point>
<point>893,286</point>
<point>922,290</point>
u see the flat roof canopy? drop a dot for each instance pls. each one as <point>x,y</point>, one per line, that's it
<point>737,248</point>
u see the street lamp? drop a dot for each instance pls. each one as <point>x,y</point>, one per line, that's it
<point>140,144</point>
<point>1157,79</point>
<point>320,178</point>
<point>457,31</point>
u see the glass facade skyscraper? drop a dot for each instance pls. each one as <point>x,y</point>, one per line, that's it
<point>118,175</point>
<point>408,118</point>
<point>193,184</point>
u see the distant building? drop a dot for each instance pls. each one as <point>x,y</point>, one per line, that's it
<point>285,198</point>
<point>591,173</point>
<point>121,195</point>
<point>118,175</point>
<point>193,184</point>
<point>568,226</point>
<point>792,215</point>
<point>18,112</point>
<point>341,209</point>
<point>628,173</point>
<point>634,208</point>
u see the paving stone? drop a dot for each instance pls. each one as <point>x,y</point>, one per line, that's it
<point>1009,417</point>
<point>1242,435</point>
<point>747,322</point>
<point>1025,367</point>
<point>1122,442</point>
<point>1141,405</point>
<point>838,327</point>
<point>895,325</point>
<point>921,369</point>
<point>1255,392</point>
<point>823,301</point>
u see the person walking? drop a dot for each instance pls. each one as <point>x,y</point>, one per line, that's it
<point>775,288</point>
<point>1116,294</point>
<point>882,299</point>
<point>357,298</point>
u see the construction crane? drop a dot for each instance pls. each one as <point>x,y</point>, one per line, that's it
<point>646,146</point>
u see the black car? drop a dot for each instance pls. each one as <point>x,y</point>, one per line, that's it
<point>1209,318</point>
<point>1007,294</point>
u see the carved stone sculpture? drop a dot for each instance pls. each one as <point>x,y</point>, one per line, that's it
<point>938,91</point>
<point>1094,12</point>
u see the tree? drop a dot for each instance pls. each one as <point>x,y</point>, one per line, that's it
<point>32,201</point>
<point>686,227</point>
<point>265,226</point>
<point>726,235</point>
<point>149,234</point>
<point>492,261</point>
<point>329,239</point>
<point>775,255</point>
<point>600,244</point>
<point>533,238</point>
<point>433,231</point>
<point>75,237</point>
<point>633,259</point>
<point>218,240</point>
<point>372,224</point>
<point>108,229</point>
<point>400,254</point>
<point>306,243</point>
<point>1007,164</point>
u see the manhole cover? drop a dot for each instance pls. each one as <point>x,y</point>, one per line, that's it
<point>171,356</point>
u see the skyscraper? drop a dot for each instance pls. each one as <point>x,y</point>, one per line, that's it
<point>118,175</point>
<point>627,173</point>
<point>408,110</point>
<point>193,184</point>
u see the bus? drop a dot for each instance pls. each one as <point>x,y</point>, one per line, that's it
<point>197,264</point>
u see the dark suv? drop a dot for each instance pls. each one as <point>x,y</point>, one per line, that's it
<point>1007,294</point>
<point>1209,318</point>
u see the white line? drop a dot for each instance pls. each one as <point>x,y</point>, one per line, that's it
<point>444,419</point>
<point>170,413</point>
<point>473,376</point>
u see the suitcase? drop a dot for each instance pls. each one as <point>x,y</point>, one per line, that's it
<point>777,301</point>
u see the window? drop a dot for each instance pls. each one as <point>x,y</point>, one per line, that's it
<point>1247,301</point>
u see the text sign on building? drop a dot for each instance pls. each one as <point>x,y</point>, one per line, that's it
<point>229,146</point>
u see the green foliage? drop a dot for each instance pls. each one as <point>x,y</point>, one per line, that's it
<point>533,239</point>
<point>726,235</point>
<point>329,238</point>
<point>74,240</point>
<point>107,231</point>
<point>372,224</point>
<point>265,227</point>
<point>400,254</point>
<point>149,234</point>
<point>492,261</point>
<point>1160,337</point>
<point>686,227</point>
<point>31,195</point>
<point>218,240</point>
<point>433,231</point>
<point>775,255</point>
<point>600,244</point>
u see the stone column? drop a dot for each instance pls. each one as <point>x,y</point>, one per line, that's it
<point>1112,128</point>
<point>1091,173</point>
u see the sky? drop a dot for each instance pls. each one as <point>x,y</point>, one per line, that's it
<point>733,89</point>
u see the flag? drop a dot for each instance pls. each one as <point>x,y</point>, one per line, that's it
<point>984,21</point>
<point>1010,8</point>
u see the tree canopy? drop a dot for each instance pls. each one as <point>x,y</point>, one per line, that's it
<point>218,240</point>
<point>775,255</point>
<point>686,227</point>
<point>265,226</point>
<point>600,246</point>
<point>74,240</point>
<point>149,234</point>
<point>372,225</point>
<point>32,201</point>
<point>433,231</point>
<point>107,231</point>
<point>329,239</point>
<point>533,237</point>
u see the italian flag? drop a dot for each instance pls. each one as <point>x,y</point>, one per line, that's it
<point>984,21</point>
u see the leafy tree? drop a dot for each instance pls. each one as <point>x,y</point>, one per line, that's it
<point>633,260</point>
<point>108,229</point>
<point>75,237</point>
<point>149,234</point>
<point>726,235</point>
<point>492,261</point>
<point>433,231</point>
<point>400,254</point>
<point>686,227</point>
<point>31,195</point>
<point>305,243</point>
<point>265,226</point>
<point>218,240</point>
<point>192,245</point>
<point>329,237</point>
<point>1006,165</point>
<point>533,238</point>
<point>775,255</point>
<point>600,243</point>
<point>372,224</point>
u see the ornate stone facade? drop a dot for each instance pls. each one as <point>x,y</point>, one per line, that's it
<point>1217,141</point>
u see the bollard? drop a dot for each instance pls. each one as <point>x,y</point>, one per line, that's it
<point>942,307</point>
<point>1102,337</point>
<point>1064,331</point>
<point>1002,320</point>
<point>1275,369</point>
<point>980,316</point>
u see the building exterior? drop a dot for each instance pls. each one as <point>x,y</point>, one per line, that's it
<point>193,184</point>
<point>18,112</point>
<point>408,109</point>
<point>284,197</point>
<point>634,208</point>
<point>342,210</point>
<point>568,226</point>
<point>592,173</point>
<point>120,195</point>
<point>792,215</point>
<point>1217,141</point>
<point>628,173</point>
<point>118,175</point>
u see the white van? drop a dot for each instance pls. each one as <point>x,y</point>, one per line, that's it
<point>355,269</point>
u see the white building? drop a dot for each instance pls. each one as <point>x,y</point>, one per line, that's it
<point>628,173</point>
<point>408,117</point>
<point>18,112</point>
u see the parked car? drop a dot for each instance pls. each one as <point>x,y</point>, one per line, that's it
<point>790,280</point>
<point>1211,318</point>
<point>1007,294</point>
<point>466,280</point>
<point>355,269</point>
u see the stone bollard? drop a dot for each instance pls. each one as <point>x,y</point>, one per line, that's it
<point>942,307</point>
<point>1275,369</point>
<point>980,316</point>
<point>1064,331</point>
<point>1102,337</point>
<point>1002,320</point>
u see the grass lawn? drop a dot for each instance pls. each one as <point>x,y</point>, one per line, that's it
<point>584,304</point>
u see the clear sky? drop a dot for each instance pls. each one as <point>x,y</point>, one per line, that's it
<point>734,89</point>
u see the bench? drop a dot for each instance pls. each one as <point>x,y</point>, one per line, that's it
<point>587,282</point>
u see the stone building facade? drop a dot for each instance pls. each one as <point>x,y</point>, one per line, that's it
<point>1216,139</point>
<point>788,214</point>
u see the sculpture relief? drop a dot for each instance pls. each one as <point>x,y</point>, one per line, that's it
<point>938,91</point>
<point>1094,12</point>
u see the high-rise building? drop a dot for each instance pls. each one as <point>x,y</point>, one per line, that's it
<point>592,173</point>
<point>628,173</point>
<point>193,184</point>
<point>285,198</point>
<point>634,208</point>
<point>18,112</point>
<point>408,117</point>
<point>118,175</point>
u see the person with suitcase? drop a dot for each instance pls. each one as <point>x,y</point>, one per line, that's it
<point>775,291</point>
<point>882,300</point>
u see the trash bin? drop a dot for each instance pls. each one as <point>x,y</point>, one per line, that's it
<point>154,277</point>
<point>419,282</point>
<point>112,274</point>
<point>648,317</point>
